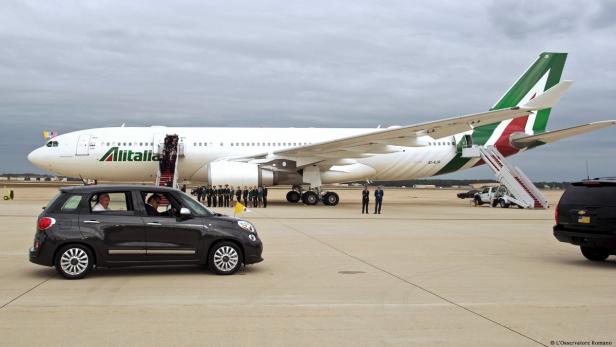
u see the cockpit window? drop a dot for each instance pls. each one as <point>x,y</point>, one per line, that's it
<point>52,144</point>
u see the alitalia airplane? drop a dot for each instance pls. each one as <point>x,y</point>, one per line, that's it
<point>315,156</point>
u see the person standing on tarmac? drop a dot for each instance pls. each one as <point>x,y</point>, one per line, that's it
<point>259,196</point>
<point>220,193</point>
<point>255,197</point>
<point>231,195</point>
<point>238,194</point>
<point>225,195</point>
<point>365,200</point>
<point>245,196</point>
<point>214,196</point>
<point>208,195</point>
<point>264,197</point>
<point>378,195</point>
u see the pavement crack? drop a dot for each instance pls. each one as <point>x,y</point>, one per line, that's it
<point>26,292</point>
<point>426,290</point>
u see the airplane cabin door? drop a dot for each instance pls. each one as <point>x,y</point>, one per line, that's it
<point>83,145</point>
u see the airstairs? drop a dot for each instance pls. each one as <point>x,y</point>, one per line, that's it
<point>169,153</point>
<point>520,186</point>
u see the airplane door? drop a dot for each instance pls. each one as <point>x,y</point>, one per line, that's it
<point>83,145</point>
<point>159,141</point>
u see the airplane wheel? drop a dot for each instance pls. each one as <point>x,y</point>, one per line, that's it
<point>293,196</point>
<point>310,198</point>
<point>331,199</point>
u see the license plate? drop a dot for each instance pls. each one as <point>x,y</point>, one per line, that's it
<point>584,219</point>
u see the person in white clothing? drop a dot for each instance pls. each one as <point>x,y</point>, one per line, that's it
<point>103,203</point>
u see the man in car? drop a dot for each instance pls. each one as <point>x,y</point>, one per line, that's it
<point>151,207</point>
<point>103,203</point>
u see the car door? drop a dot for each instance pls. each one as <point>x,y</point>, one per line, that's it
<point>119,231</point>
<point>171,237</point>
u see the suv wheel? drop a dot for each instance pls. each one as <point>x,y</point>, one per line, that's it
<point>74,261</point>
<point>594,254</point>
<point>225,258</point>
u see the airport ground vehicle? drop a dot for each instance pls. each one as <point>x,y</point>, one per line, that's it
<point>468,195</point>
<point>74,236</point>
<point>586,217</point>
<point>495,196</point>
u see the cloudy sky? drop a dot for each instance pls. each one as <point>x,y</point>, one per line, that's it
<point>72,65</point>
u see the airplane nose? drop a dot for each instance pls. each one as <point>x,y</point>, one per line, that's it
<point>36,158</point>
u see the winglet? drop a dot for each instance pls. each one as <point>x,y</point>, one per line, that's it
<point>549,98</point>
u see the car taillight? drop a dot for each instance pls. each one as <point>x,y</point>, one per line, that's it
<point>45,223</point>
<point>556,212</point>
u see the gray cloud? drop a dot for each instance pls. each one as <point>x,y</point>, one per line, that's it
<point>322,64</point>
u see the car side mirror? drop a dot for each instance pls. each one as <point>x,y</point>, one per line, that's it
<point>184,212</point>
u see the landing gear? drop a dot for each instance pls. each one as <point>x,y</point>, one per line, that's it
<point>293,196</point>
<point>331,199</point>
<point>310,198</point>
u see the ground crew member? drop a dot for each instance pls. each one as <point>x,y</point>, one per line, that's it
<point>378,194</point>
<point>365,199</point>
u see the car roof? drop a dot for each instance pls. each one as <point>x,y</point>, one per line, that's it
<point>109,187</point>
<point>597,181</point>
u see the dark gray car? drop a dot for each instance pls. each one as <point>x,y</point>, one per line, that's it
<point>125,225</point>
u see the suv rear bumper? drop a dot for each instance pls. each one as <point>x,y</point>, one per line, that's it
<point>585,239</point>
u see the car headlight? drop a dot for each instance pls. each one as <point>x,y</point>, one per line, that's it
<point>246,226</point>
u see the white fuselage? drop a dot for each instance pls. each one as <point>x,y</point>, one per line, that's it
<point>82,153</point>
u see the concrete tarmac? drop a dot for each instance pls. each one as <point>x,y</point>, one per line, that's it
<point>430,270</point>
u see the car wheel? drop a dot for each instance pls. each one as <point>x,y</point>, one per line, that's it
<point>293,196</point>
<point>225,258</point>
<point>310,198</point>
<point>503,204</point>
<point>477,201</point>
<point>594,254</point>
<point>74,261</point>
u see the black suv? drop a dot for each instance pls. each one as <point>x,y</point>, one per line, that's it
<point>113,225</point>
<point>586,216</point>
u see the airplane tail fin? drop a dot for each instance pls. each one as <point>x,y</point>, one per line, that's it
<point>542,75</point>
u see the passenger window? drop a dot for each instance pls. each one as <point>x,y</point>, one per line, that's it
<point>111,203</point>
<point>159,204</point>
<point>71,203</point>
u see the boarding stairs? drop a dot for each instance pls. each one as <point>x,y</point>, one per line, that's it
<point>520,186</point>
<point>168,165</point>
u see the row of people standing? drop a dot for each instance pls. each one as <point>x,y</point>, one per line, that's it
<point>227,196</point>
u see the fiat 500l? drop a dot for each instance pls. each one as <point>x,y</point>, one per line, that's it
<point>111,225</point>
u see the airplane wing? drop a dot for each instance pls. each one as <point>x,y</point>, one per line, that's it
<point>551,136</point>
<point>385,140</point>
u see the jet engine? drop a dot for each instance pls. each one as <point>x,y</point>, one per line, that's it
<point>238,174</point>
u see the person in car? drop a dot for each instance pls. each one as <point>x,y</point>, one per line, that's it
<point>103,203</point>
<point>151,207</point>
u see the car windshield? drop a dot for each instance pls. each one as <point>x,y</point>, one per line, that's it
<point>197,208</point>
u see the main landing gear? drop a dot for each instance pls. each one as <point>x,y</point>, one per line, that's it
<point>311,197</point>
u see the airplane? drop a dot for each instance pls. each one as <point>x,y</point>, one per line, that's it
<point>317,156</point>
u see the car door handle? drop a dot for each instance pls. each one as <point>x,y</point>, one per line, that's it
<point>91,222</point>
<point>153,223</point>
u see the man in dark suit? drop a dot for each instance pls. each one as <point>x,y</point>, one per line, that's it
<point>378,195</point>
<point>151,207</point>
<point>365,200</point>
<point>208,195</point>
<point>264,197</point>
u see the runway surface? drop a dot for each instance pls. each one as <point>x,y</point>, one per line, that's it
<point>430,270</point>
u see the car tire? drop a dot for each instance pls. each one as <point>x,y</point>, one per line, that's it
<point>310,198</point>
<point>503,204</point>
<point>225,258</point>
<point>594,254</point>
<point>74,261</point>
<point>477,201</point>
<point>293,196</point>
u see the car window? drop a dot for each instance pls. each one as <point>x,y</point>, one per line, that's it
<point>196,207</point>
<point>167,205</point>
<point>71,203</point>
<point>111,203</point>
<point>590,195</point>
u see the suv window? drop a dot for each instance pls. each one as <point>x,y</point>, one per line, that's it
<point>167,205</point>
<point>590,195</point>
<point>71,203</point>
<point>111,203</point>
